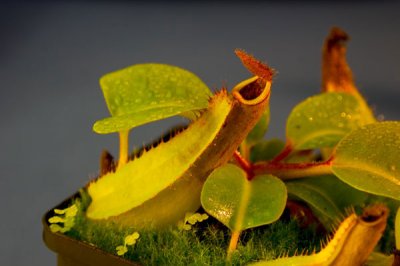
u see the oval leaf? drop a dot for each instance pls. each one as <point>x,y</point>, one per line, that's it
<point>239,203</point>
<point>327,195</point>
<point>155,91</point>
<point>322,120</point>
<point>369,159</point>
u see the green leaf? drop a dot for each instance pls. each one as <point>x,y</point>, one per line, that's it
<point>185,227</point>
<point>71,211</point>
<point>56,219</point>
<point>266,150</point>
<point>379,259</point>
<point>259,130</point>
<point>58,211</point>
<point>144,93</point>
<point>140,117</point>
<point>322,120</point>
<point>121,250</point>
<point>69,223</point>
<point>239,203</point>
<point>191,219</point>
<point>197,217</point>
<point>326,195</point>
<point>369,159</point>
<point>55,228</point>
<point>131,239</point>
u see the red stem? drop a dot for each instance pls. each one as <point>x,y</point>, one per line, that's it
<point>284,171</point>
<point>293,170</point>
<point>244,164</point>
<point>283,154</point>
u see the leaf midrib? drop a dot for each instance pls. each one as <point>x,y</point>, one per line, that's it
<point>243,204</point>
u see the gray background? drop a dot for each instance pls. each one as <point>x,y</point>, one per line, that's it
<point>53,53</point>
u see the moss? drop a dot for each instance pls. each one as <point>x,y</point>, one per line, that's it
<point>206,242</point>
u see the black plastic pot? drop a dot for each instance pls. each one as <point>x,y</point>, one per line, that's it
<point>71,252</point>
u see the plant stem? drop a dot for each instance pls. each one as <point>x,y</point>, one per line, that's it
<point>287,171</point>
<point>123,148</point>
<point>244,164</point>
<point>287,150</point>
<point>244,150</point>
<point>232,244</point>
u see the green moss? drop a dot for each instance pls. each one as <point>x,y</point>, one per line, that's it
<point>204,244</point>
